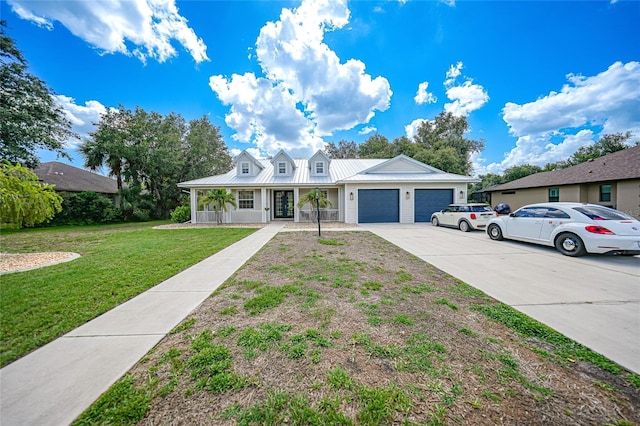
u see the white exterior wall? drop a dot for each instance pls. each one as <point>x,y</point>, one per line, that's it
<point>407,205</point>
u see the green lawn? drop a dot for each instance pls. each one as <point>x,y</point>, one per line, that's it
<point>118,262</point>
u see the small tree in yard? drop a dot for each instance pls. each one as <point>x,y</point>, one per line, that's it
<point>219,198</point>
<point>317,200</point>
<point>24,201</point>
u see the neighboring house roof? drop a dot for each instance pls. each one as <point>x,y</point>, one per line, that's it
<point>401,169</point>
<point>620,165</point>
<point>73,179</point>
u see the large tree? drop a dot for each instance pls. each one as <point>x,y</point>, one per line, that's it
<point>344,149</point>
<point>204,149</point>
<point>607,144</point>
<point>24,200</point>
<point>441,143</point>
<point>152,153</point>
<point>29,117</point>
<point>376,146</point>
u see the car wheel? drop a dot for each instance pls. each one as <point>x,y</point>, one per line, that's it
<point>570,245</point>
<point>495,233</point>
<point>464,226</point>
<point>434,221</point>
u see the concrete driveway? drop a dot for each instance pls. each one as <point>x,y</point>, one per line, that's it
<point>594,300</point>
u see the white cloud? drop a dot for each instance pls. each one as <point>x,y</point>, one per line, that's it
<point>150,25</point>
<point>553,127</point>
<point>336,95</point>
<point>424,97</point>
<point>265,113</point>
<point>367,130</point>
<point>307,91</point>
<point>467,97</point>
<point>83,117</point>
<point>611,99</point>
<point>453,73</point>
<point>412,129</point>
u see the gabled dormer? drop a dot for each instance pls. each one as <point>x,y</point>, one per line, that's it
<point>283,164</point>
<point>402,164</point>
<point>319,164</point>
<point>246,165</point>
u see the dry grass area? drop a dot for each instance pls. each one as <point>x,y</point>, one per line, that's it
<point>352,330</point>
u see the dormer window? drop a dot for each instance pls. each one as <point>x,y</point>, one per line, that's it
<point>282,168</point>
<point>319,167</point>
<point>244,168</point>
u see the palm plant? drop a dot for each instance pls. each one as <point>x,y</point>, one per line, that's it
<point>317,199</point>
<point>219,198</point>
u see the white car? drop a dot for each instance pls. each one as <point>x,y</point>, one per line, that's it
<point>572,228</point>
<point>465,217</point>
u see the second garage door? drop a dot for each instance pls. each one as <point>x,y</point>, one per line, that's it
<point>428,201</point>
<point>378,205</point>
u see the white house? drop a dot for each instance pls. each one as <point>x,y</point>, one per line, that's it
<point>399,189</point>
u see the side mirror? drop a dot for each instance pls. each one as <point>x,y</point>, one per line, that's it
<point>512,214</point>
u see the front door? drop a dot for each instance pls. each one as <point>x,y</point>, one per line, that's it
<point>283,202</point>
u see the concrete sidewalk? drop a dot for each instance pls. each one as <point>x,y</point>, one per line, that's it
<point>56,383</point>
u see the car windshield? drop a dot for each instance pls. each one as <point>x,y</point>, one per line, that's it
<point>601,213</point>
<point>481,209</point>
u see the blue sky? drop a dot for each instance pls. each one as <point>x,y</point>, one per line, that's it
<point>537,80</point>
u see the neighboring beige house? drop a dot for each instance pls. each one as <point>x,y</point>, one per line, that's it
<point>612,180</point>
<point>66,178</point>
<point>399,189</point>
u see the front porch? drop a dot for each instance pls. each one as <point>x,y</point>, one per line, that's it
<point>264,205</point>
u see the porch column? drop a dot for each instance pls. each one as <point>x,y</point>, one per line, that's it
<point>193,199</point>
<point>264,204</point>
<point>296,197</point>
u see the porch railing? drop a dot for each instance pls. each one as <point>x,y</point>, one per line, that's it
<point>329,215</point>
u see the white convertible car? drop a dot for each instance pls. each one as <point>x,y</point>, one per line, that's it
<point>573,228</point>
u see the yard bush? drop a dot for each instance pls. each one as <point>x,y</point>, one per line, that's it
<point>85,208</point>
<point>181,214</point>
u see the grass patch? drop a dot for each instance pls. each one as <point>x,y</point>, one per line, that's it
<point>210,365</point>
<point>229,310</point>
<point>339,378</point>
<point>184,325</point>
<point>261,338</point>
<point>379,405</point>
<point>330,242</point>
<point>123,404</point>
<point>118,262</point>
<point>446,302</point>
<point>268,297</point>
<point>373,285</point>
<point>528,327</point>
<point>287,408</point>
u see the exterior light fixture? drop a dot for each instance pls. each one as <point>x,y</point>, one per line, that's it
<point>351,196</point>
<point>461,195</point>
<point>407,195</point>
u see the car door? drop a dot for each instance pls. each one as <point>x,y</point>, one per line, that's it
<point>447,216</point>
<point>525,223</point>
<point>552,219</point>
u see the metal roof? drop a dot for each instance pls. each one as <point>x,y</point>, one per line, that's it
<point>341,171</point>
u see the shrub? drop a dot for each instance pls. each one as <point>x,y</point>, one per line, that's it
<point>85,208</point>
<point>181,214</point>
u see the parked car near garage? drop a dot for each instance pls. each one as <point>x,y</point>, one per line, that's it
<point>573,228</point>
<point>465,217</point>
